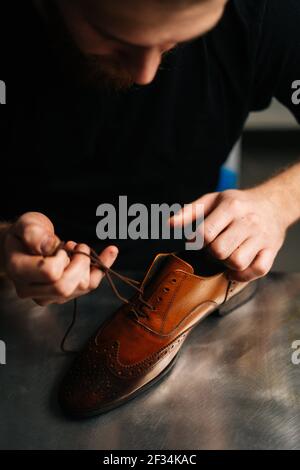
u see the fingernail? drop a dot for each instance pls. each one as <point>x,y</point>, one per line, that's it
<point>114,252</point>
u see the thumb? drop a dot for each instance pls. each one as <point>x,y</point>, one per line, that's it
<point>36,232</point>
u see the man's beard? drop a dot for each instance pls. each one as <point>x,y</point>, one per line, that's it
<point>106,74</point>
<point>84,70</point>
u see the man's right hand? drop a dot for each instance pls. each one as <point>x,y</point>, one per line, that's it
<point>28,247</point>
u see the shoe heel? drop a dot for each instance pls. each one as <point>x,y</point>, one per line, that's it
<point>239,299</point>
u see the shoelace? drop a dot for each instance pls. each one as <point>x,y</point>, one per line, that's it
<point>95,262</point>
<point>135,306</point>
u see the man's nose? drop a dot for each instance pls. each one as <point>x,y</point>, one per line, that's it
<point>144,64</point>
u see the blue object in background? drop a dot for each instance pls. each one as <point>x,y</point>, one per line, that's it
<point>230,171</point>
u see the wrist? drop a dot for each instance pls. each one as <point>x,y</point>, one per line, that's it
<point>283,191</point>
<point>277,196</point>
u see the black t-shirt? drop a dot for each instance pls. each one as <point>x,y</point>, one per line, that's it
<point>65,150</point>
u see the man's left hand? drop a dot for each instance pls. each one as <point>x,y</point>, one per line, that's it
<point>243,228</point>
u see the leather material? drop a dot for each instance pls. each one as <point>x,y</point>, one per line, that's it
<point>136,345</point>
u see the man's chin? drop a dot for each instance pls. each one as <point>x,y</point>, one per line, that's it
<point>107,82</point>
<point>92,73</point>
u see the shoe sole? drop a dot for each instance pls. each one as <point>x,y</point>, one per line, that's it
<point>235,302</point>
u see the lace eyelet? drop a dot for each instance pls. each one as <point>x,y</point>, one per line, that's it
<point>166,289</point>
<point>174,280</point>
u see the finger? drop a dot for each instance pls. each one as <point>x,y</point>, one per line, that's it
<point>107,257</point>
<point>69,247</point>
<point>217,221</point>
<point>231,239</point>
<point>244,255</point>
<point>36,232</point>
<point>194,210</point>
<point>81,267</point>
<point>29,268</point>
<point>260,267</point>
<point>75,276</point>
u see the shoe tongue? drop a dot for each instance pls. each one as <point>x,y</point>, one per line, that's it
<point>161,267</point>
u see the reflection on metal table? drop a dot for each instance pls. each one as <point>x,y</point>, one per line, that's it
<point>235,385</point>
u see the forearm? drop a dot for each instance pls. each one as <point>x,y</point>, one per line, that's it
<point>4,226</point>
<point>283,189</point>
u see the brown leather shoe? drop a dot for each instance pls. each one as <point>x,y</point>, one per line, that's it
<point>139,344</point>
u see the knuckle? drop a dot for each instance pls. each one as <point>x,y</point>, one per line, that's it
<point>261,269</point>
<point>62,290</point>
<point>235,205</point>
<point>238,262</point>
<point>84,285</point>
<point>83,249</point>
<point>229,194</point>
<point>94,284</point>
<point>233,200</point>
<point>252,218</point>
<point>219,250</point>
<point>226,196</point>
<point>209,233</point>
<point>51,273</point>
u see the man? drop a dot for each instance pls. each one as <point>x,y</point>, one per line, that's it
<point>144,98</point>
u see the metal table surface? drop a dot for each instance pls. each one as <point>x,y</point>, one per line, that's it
<point>233,387</point>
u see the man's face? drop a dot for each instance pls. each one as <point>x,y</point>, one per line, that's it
<point>123,41</point>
